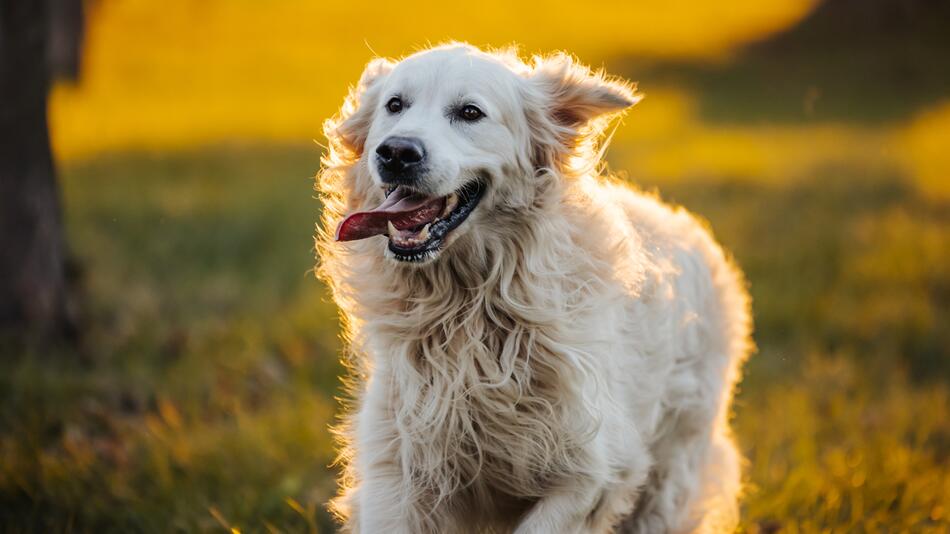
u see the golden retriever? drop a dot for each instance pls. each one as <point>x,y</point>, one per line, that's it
<point>535,348</point>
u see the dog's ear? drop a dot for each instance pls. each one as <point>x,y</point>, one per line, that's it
<point>350,128</point>
<point>574,94</point>
<point>568,107</point>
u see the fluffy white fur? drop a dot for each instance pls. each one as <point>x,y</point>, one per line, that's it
<point>566,363</point>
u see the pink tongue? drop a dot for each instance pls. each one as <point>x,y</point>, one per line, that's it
<point>402,207</point>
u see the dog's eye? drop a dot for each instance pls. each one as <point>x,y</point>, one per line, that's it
<point>394,105</point>
<point>471,113</point>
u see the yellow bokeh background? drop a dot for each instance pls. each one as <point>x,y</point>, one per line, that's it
<point>178,74</point>
<point>171,74</point>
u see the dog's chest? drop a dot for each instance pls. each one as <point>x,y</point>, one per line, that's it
<point>492,441</point>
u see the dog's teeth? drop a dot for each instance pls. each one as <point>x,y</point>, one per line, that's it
<point>424,234</point>
<point>392,229</point>
<point>450,202</point>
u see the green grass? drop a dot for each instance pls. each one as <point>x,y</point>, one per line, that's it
<point>202,394</point>
<point>207,371</point>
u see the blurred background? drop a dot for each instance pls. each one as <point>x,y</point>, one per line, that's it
<point>190,373</point>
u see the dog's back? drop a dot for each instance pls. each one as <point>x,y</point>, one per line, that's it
<point>704,312</point>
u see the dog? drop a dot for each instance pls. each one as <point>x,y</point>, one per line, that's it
<point>534,347</point>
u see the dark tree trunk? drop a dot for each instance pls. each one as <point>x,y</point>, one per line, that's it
<point>32,249</point>
<point>66,25</point>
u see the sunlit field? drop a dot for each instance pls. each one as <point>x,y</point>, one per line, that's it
<point>201,396</point>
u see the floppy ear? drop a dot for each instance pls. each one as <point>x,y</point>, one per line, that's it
<point>568,107</point>
<point>575,95</point>
<point>350,128</point>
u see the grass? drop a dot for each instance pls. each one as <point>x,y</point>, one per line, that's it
<point>204,388</point>
<point>202,396</point>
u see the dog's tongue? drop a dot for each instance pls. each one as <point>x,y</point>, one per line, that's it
<point>404,208</point>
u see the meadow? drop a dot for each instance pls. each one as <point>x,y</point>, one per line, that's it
<point>200,395</point>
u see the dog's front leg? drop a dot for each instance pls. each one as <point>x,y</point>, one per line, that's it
<point>379,498</point>
<point>381,508</point>
<point>562,513</point>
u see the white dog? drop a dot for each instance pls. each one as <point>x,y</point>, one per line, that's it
<point>535,348</point>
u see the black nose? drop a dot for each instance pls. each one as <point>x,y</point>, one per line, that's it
<point>399,154</point>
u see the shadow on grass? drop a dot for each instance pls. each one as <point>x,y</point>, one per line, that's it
<point>862,61</point>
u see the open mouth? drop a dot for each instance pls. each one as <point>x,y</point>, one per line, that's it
<point>416,224</point>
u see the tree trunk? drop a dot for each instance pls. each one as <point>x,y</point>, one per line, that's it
<point>32,248</point>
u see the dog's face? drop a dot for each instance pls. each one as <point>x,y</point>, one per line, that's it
<point>443,118</point>
<point>450,134</point>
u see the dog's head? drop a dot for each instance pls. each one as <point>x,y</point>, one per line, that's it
<point>444,138</point>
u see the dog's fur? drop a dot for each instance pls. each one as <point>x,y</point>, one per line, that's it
<point>566,363</point>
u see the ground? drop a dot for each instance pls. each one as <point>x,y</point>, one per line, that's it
<point>208,372</point>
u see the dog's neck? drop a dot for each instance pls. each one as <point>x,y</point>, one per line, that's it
<point>515,272</point>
